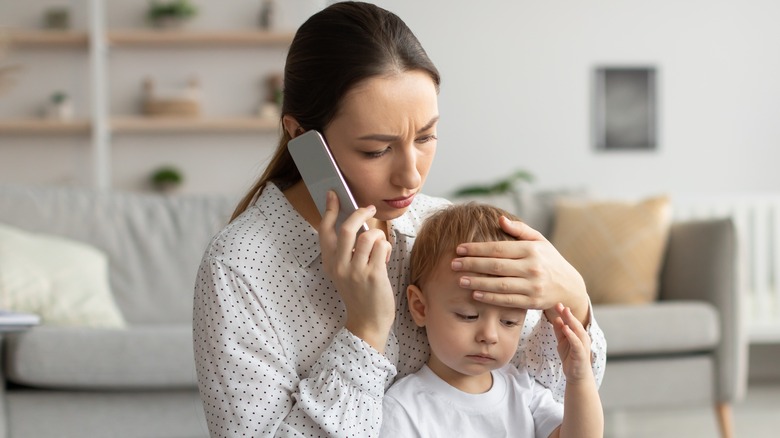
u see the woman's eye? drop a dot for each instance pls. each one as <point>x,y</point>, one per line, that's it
<point>427,138</point>
<point>467,317</point>
<point>376,154</point>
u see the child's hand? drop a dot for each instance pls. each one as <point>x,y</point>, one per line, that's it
<point>573,346</point>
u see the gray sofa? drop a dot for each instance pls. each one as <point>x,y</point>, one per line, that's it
<point>686,349</point>
<point>133,382</point>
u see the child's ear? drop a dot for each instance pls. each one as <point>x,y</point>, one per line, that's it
<point>416,304</point>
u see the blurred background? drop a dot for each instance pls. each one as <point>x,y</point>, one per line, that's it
<point>107,94</point>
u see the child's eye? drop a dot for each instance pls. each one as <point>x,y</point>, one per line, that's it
<point>510,323</point>
<point>467,317</point>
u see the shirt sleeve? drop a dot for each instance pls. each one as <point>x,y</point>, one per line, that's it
<point>546,412</point>
<point>538,353</point>
<point>396,422</point>
<point>248,385</point>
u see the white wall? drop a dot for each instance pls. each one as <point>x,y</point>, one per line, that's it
<point>515,94</point>
<point>516,91</point>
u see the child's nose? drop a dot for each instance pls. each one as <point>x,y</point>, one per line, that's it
<point>488,333</point>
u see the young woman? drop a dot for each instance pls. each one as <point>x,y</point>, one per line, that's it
<point>300,327</point>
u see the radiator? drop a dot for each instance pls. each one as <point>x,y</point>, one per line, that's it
<point>757,221</point>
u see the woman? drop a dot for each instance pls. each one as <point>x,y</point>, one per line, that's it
<point>300,327</point>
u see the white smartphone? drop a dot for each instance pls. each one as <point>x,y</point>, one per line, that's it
<point>320,173</point>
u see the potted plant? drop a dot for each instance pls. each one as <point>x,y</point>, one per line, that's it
<point>59,106</point>
<point>498,188</point>
<point>166,179</point>
<point>493,193</point>
<point>171,14</point>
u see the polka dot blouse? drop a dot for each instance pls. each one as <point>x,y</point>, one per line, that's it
<point>272,356</point>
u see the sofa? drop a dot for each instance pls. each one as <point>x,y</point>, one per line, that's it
<point>133,381</point>
<point>687,348</point>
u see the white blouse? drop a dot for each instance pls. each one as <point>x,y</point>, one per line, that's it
<point>271,353</point>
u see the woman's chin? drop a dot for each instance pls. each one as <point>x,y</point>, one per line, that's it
<point>390,214</point>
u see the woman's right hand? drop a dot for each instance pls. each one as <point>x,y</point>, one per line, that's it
<point>360,274</point>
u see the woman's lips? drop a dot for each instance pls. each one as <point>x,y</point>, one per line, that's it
<point>400,202</point>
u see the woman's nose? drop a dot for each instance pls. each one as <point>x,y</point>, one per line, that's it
<point>405,173</point>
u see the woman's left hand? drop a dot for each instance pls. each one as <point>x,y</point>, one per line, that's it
<point>528,273</point>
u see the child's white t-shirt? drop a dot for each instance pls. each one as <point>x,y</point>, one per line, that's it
<point>424,405</point>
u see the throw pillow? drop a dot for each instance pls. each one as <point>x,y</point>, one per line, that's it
<point>617,247</point>
<point>63,281</point>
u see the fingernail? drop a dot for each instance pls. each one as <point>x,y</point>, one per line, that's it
<point>457,265</point>
<point>478,295</point>
<point>465,282</point>
<point>461,250</point>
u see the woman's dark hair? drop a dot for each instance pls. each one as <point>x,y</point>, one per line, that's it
<point>334,50</point>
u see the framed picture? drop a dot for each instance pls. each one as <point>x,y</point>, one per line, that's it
<point>624,108</point>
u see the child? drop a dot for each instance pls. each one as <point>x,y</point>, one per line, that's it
<point>467,387</point>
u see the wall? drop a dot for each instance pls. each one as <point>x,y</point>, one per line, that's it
<point>516,88</point>
<point>516,83</point>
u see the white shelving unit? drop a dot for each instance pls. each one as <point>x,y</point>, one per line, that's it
<point>101,125</point>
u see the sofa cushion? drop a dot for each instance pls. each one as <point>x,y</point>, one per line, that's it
<point>666,327</point>
<point>617,246</point>
<point>63,281</point>
<point>138,357</point>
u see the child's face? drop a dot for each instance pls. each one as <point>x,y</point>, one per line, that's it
<point>467,338</point>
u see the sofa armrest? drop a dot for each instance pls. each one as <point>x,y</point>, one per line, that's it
<point>701,264</point>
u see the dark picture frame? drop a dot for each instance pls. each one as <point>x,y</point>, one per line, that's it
<point>625,108</point>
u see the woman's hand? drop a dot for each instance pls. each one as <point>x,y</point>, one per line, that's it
<point>528,273</point>
<point>358,267</point>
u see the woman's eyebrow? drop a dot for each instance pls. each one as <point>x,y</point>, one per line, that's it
<point>390,138</point>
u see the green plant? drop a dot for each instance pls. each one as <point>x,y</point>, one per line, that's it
<point>502,186</point>
<point>179,9</point>
<point>58,97</point>
<point>166,177</point>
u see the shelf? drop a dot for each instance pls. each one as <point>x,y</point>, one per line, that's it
<point>43,126</point>
<point>151,38</point>
<point>140,124</point>
<point>48,38</point>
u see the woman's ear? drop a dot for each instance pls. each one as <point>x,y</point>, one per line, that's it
<point>292,126</point>
<point>416,304</point>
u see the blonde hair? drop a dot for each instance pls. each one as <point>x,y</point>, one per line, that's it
<point>444,230</point>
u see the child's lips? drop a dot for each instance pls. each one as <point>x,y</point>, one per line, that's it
<point>483,358</point>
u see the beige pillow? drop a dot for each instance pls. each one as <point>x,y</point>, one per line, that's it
<point>63,281</point>
<point>617,247</point>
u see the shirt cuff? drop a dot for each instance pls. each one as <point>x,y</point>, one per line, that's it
<point>359,364</point>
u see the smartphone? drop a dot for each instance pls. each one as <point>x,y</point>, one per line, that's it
<point>320,173</point>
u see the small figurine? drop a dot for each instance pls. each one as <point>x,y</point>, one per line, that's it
<point>267,14</point>
<point>271,108</point>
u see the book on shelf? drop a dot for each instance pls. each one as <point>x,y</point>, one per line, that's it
<point>18,319</point>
